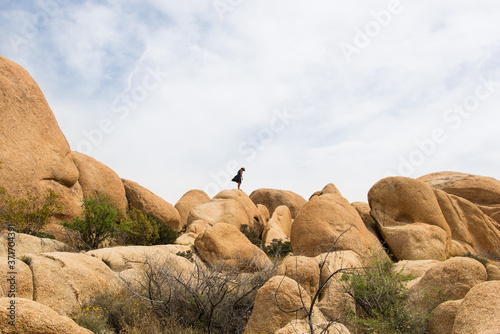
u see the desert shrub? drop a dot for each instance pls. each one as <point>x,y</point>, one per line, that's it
<point>98,222</point>
<point>381,297</point>
<point>138,228</point>
<point>166,234</point>
<point>278,248</point>
<point>141,228</point>
<point>29,214</point>
<point>121,312</point>
<point>207,299</point>
<point>26,259</point>
<point>187,254</point>
<point>251,235</point>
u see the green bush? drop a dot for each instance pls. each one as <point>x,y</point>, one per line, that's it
<point>98,222</point>
<point>380,292</point>
<point>187,254</point>
<point>278,248</point>
<point>140,228</point>
<point>251,235</point>
<point>30,214</point>
<point>166,235</point>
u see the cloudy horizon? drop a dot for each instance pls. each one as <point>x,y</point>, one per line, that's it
<point>179,95</point>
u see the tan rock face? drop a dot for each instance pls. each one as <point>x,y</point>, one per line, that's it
<point>264,213</point>
<point>126,257</point>
<point>278,294</point>
<point>20,283</point>
<point>28,244</point>
<point>228,211</point>
<point>224,246</point>
<point>36,318</point>
<point>482,191</point>
<point>143,199</point>
<point>188,201</point>
<point>97,178</point>
<point>418,222</point>
<point>479,312</point>
<point>448,280</point>
<point>334,302</point>
<point>304,270</point>
<point>65,281</point>
<point>471,229</point>
<point>302,327</point>
<point>279,226</point>
<point>272,198</point>
<point>443,317</point>
<point>370,223</point>
<point>327,218</point>
<point>192,232</point>
<point>255,220</point>
<point>35,154</point>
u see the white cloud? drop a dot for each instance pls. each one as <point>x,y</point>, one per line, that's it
<point>352,122</point>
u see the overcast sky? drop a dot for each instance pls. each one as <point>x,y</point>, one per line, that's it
<point>177,95</point>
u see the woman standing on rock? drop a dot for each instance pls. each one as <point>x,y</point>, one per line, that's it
<point>239,177</point>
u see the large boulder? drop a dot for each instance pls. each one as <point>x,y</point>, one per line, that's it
<point>97,178</point>
<point>126,257</point>
<point>192,232</point>
<point>334,302</point>
<point>304,270</point>
<point>17,279</point>
<point>144,200</point>
<point>29,244</point>
<point>370,223</point>
<point>418,222</point>
<point>448,280</point>
<point>302,327</point>
<point>215,211</point>
<point>479,311</point>
<point>272,198</point>
<point>472,231</point>
<point>279,227</point>
<point>255,221</point>
<point>35,155</point>
<point>410,219</point>
<point>328,220</point>
<point>482,191</point>
<point>275,304</point>
<point>66,281</point>
<point>223,246</point>
<point>35,318</point>
<point>188,201</point>
<point>443,317</point>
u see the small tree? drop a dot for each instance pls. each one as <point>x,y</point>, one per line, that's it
<point>141,228</point>
<point>381,295</point>
<point>99,221</point>
<point>30,214</point>
<point>138,228</point>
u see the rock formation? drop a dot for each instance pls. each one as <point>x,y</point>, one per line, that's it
<point>272,198</point>
<point>35,155</point>
<point>327,219</point>
<point>418,222</point>
<point>144,200</point>
<point>188,201</point>
<point>97,178</point>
